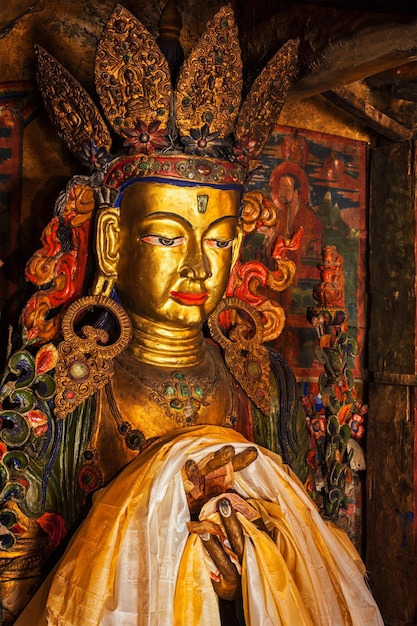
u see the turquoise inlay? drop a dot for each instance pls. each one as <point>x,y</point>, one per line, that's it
<point>199,392</point>
<point>184,390</point>
<point>202,202</point>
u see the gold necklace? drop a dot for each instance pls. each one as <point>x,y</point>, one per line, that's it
<point>180,395</point>
<point>134,438</point>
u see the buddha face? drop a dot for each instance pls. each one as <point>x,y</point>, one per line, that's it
<point>177,245</point>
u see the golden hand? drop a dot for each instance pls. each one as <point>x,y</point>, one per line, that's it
<point>227,583</point>
<point>210,483</point>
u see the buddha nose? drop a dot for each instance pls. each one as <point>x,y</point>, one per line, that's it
<point>196,265</point>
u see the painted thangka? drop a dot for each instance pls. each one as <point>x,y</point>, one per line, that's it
<point>316,181</point>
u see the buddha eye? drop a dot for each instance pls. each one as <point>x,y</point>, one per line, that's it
<point>218,243</point>
<point>168,242</point>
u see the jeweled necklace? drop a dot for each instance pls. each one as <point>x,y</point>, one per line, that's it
<point>134,438</point>
<point>180,395</point>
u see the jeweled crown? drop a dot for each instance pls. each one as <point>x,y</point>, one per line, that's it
<point>202,116</point>
<point>198,132</point>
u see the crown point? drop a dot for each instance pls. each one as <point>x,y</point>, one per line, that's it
<point>210,81</point>
<point>132,75</point>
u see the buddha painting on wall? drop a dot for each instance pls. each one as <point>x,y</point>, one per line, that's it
<point>169,464</point>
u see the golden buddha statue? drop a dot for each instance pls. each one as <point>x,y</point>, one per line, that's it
<point>122,394</point>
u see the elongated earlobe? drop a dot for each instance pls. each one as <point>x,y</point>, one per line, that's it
<point>107,250</point>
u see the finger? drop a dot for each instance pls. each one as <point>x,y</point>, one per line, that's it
<point>219,557</point>
<point>245,458</point>
<point>220,458</point>
<point>191,469</point>
<point>225,589</point>
<point>228,584</point>
<point>232,527</point>
<point>205,527</point>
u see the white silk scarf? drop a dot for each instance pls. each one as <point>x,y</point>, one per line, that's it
<point>133,562</point>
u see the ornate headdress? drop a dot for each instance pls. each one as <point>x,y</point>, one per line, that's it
<point>198,132</point>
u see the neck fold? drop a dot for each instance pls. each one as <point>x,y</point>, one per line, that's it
<point>164,346</point>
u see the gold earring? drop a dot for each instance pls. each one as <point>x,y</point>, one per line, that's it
<point>245,356</point>
<point>85,363</point>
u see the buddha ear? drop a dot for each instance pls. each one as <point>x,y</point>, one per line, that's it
<point>236,245</point>
<point>107,250</point>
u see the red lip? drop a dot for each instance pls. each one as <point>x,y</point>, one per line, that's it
<point>189,297</point>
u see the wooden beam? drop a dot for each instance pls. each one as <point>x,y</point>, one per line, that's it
<point>406,73</point>
<point>366,45</point>
<point>338,46</point>
<point>335,71</point>
<point>367,113</point>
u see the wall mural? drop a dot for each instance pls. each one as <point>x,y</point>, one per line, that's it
<point>317,181</point>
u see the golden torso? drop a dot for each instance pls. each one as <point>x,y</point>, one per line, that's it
<point>147,399</point>
<point>156,400</point>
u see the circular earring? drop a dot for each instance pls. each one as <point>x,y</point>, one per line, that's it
<point>85,359</point>
<point>245,356</point>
